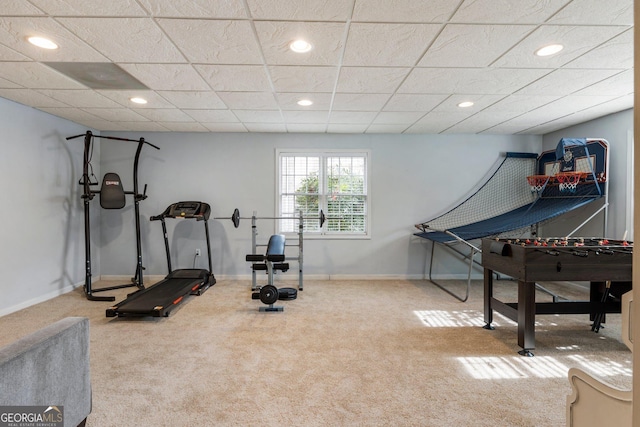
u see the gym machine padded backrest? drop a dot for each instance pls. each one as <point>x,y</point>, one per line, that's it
<point>112,195</point>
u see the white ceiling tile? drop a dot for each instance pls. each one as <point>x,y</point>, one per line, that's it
<point>241,78</point>
<point>577,40</point>
<point>249,100</point>
<point>519,12</point>
<point>346,128</point>
<point>565,81</point>
<point>195,8</point>
<point>480,102</point>
<point>326,38</point>
<point>306,128</point>
<point>481,121</point>
<point>300,10</point>
<point>137,126</point>
<point>393,128</point>
<point>305,116</point>
<point>184,127</point>
<point>80,98</point>
<point>226,42</point>
<point>116,114</point>
<point>359,102</point>
<point>73,114</point>
<point>164,114</point>
<point>587,12</point>
<point>303,79</point>
<point>8,54</point>
<point>387,44</point>
<point>19,7</point>
<point>83,7</point>
<point>125,39</point>
<point>351,117</point>
<point>193,99</point>
<point>617,85</point>
<point>413,102</point>
<point>460,45</point>
<point>289,100</point>
<point>371,79</point>
<point>469,80</point>
<point>376,66</point>
<point>212,116</point>
<point>15,30</point>
<point>102,125</point>
<point>258,116</point>
<point>123,97</point>
<point>31,98</point>
<point>225,127</point>
<point>397,117</point>
<point>167,76</point>
<point>6,84</point>
<point>518,104</point>
<point>266,127</point>
<point>404,10</point>
<point>615,53</point>
<point>36,76</point>
<point>436,122</point>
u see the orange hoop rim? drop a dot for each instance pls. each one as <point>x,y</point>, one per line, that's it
<point>570,177</point>
<point>538,179</point>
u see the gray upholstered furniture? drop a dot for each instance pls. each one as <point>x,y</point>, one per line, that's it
<point>50,367</point>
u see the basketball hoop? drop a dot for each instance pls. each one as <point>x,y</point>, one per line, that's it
<point>537,182</point>
<point>569,180</point>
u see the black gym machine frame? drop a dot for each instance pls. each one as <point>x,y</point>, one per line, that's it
<point>235,218</point>
<point>88,194</point>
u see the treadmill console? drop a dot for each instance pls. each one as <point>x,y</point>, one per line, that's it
<point>197,210</point>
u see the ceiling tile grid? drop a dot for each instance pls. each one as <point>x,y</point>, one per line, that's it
<point>375,66</point>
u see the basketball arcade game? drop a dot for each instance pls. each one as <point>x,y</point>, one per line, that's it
<point>521,194</point>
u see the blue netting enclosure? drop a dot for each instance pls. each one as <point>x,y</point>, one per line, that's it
<point>505,190</point>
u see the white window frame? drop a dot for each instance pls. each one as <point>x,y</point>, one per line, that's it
<point>322,233</point>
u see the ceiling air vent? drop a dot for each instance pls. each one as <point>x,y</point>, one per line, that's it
<point>98,75</point>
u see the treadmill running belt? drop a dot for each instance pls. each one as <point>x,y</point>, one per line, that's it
<point>156,300</point>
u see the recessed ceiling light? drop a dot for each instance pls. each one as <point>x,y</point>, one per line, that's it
<point>465,104</point>
<point>549,50</point>
<point>305,102</point>
<point>138,100</point>
<point>300,46</point>
<point>42,42</point>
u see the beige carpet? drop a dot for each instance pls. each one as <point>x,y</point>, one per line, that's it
<point>345,353</point>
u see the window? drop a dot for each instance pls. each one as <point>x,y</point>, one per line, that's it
<point>334,183</point>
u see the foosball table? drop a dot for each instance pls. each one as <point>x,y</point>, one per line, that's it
<point>606,264</point>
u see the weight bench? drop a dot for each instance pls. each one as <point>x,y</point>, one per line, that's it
<point>271,262</point>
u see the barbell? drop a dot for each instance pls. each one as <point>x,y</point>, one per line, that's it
<point>235,217</point>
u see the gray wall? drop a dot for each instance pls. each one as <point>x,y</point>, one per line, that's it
<point>413,177</point>
<point>42,248</point>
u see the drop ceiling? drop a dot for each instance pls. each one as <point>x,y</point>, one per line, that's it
<point>376,66</point>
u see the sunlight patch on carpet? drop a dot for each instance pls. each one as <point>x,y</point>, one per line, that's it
<point>513,367</point>
<point>603,368</point>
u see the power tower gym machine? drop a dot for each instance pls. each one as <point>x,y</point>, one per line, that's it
<point>159,299</point>
<point>112,196</point>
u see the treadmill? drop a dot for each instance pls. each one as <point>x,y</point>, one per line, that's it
<point>159,299</point>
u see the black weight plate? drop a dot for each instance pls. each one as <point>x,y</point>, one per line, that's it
<point>287,294</point>
<point>269,294</point>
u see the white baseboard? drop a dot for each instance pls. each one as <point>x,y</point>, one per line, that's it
<point>39,299</point>
<point>293,277</point>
